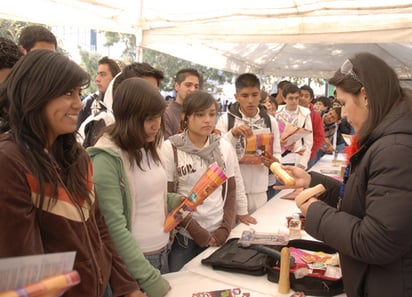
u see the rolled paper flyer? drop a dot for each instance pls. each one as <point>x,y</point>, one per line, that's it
<point>51,286</point>
<point>284,281</point>
<point>207,184</point>
<point>308,193</point>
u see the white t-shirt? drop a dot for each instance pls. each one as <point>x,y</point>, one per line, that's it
<point>191,167</point>
<point>300,118</point>
<point>255,176</point>
<point>149,204</point>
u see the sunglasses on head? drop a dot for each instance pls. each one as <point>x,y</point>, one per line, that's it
<point>347,70</point>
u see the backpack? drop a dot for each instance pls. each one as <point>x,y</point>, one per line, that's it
<point>92,128</point>
<point>92,132</point>
<point>92,120</point>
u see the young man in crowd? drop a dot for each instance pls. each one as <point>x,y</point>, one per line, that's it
<point>280,99</point>
<point>187,80</point>
<point>36,37</point>
<point>305,100</point>
<point>107,69</point>
<point>245,118</point>
<point>9,55</point>
<point>299,117</point>
<point>322,105</point>
<point>90,130</point>
<point>332,122</point>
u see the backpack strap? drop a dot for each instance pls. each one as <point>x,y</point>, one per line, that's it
<point>266,118</point>
<point>176,181</point>
<point>231,121</point>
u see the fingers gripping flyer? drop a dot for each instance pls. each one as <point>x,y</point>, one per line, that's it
<point>257,145</point>
<point>209,182</point>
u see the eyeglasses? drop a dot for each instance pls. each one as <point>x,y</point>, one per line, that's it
<point>347,70</point>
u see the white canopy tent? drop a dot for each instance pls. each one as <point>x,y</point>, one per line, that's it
<point>283,38</point>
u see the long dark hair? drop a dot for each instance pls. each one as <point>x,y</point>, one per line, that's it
<point>136,100</point>
<point>381,85</point>
<point>34,81</point>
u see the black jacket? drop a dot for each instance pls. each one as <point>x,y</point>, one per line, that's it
<point>372,229</point>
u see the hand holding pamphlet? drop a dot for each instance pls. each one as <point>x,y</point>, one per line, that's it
<point>291,134</point>
<point>44,275</point>
<point>258,145</point>
<point>208,182</point>
<point>53,286</point>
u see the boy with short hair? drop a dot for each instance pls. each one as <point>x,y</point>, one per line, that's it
<point>299,116</point>
<point>187,80</point>
<point>244,118</point>
<point>107,69</point>
<point>305,100</point>
<point>9,55</point>
<point>36,37</point>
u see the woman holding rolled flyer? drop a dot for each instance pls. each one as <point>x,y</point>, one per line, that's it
<point>187,156</point>
<point>47,199</point>
<point>367,218</point>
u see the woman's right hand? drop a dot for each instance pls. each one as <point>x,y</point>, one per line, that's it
<point>302,178</point>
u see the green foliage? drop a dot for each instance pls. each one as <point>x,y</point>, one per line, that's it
<point>11,29</point>
<point>89,62</point>
<point>129,40</point>
<point>168,64</point>
<point>171,65</point>
<point>112,38</point>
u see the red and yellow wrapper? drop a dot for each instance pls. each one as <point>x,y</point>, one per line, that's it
<point>52,286</point>
<point>257,146</point>
<point>208,182</point>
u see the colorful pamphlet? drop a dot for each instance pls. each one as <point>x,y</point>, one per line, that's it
<point>53,286</point>
<point>235,292</point>
<point>292,134</point>
<point>16,272</point>
<point>257,145</point>
<point>208,182</point>
<point>251,237</point>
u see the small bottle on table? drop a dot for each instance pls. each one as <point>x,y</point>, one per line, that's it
<point>295,227</point>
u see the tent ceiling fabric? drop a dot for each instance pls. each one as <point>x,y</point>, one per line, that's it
<point>302,60</point>
<point>284,38</point>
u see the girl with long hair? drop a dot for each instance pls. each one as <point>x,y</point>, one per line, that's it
<point>47,201</point>
<point>131,182</point>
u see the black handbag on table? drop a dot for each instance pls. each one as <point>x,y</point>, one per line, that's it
<point>232,257</point>
<point>315,285</point>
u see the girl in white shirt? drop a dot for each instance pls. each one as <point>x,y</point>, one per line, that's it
<point>187,156</point>
<point>131,184</point>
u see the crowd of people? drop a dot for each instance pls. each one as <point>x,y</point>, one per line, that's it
<point>98,176</point>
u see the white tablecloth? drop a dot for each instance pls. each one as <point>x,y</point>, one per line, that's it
<point>330,165</point>
<point>196,277</point>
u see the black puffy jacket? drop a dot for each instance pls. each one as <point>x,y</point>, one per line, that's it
<point>372,229</point>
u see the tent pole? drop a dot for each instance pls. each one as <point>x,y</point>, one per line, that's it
<point>139,32</point>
